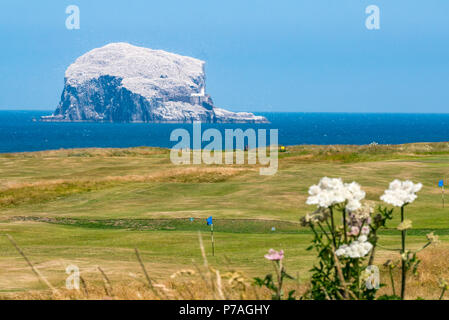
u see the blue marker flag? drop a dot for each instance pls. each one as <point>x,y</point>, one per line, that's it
<point>441,183</point>
<point>209,221</point>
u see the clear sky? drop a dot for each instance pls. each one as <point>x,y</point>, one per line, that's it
<point>279,55</point>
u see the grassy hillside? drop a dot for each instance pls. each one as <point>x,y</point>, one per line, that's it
<point>92,207</point>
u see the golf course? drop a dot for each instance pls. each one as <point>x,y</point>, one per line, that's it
<point>93,207</point>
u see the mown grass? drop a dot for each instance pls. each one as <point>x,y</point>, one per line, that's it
<point>253,226</point>
<point>94,206</point>
<point>177,224</point>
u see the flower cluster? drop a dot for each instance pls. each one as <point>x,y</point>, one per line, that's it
<point>319,215</point>
<point>332,191</point>
<point>405,225</point>
<point>401,193</point>
<point>274,255</point>
<point>353,194</point>
<point>359,220</point>
<point>326,193</point>
<point>357,249</point>
<point>355,231</point>
<point>433,238</point>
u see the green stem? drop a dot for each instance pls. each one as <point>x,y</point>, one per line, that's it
<point>324,231</point>
<point>333,227</point>
<point>389,249</point>
<point>404,267</point>
<point>278,266</point>
<point>314,231</point>
<point>392,280</point>
<point>442,293</point>
<point>424,246</point>
<point>358,278</point>
<point>334,241</point>
<point>344,225</point>
<point>373,250</point>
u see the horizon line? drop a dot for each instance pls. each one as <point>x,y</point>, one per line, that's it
<point>305,112</point>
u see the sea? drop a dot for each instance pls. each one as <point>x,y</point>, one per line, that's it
<point>20,131</point>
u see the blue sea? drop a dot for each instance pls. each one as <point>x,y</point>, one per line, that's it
<point>20,133</point>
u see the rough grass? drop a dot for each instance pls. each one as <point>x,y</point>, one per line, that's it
<point>433,267</point>
<point>225,282</point>
<point>15,193</point>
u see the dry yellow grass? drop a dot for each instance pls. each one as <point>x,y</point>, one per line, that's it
<point>434,266</point>
<point>425,284</point>
<point>205,282</point>
<point>137,290</point>
<point>200,174</point>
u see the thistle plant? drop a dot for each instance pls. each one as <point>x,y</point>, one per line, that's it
<point>275,285</point>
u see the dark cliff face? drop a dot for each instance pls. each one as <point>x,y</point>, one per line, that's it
<point>104,99</point>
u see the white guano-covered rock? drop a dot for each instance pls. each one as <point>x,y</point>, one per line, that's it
<point>124,83</point>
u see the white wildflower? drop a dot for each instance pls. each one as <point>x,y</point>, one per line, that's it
<point>341,251</point>
<point>401,193</point>
<point>353,194</point>
<point>331,191</point>
<point>353,205</point>
<point>357,249</point>
<point>327,193</point>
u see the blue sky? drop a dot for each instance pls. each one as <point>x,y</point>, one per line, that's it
<point>296,56</point>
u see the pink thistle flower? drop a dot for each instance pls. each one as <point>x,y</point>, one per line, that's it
<point>354,231</point>
<point>274,255</point>
<point>365,230</point>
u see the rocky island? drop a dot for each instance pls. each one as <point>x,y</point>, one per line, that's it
<point>124,83</point>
